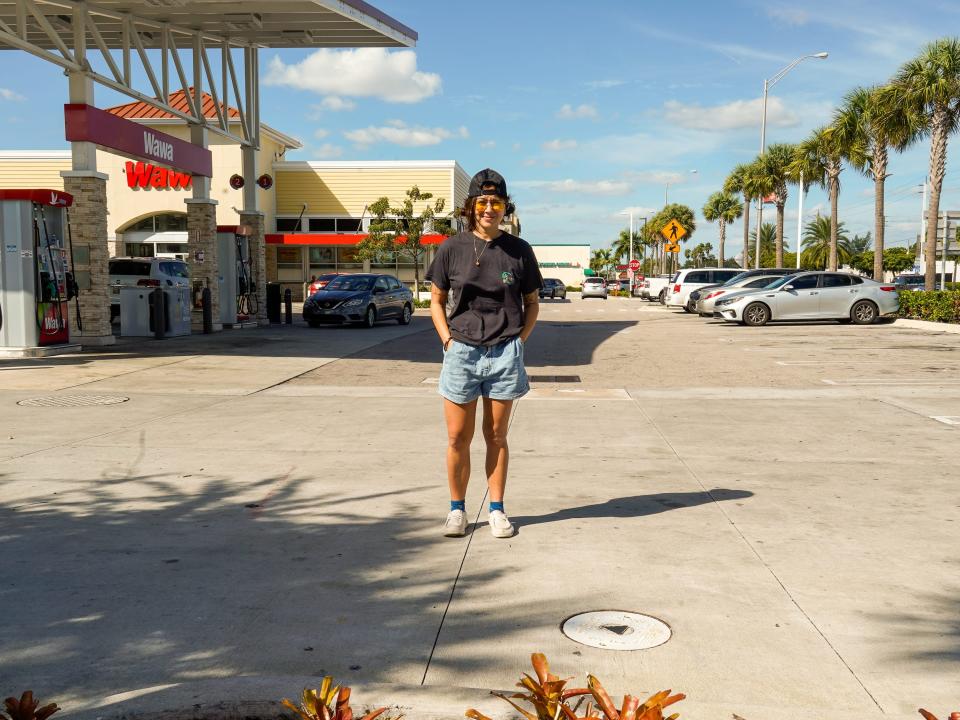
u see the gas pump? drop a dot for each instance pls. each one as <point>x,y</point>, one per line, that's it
<point>36,281</point>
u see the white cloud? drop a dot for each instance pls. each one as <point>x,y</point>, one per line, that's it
<point>568,112</point>
<point>486,144</point>
<point>638,211</point>
<point>604,84</point>
<point>583,187</point>
<point>361,72</point>
<point>516,147</point>
<point>320,133</point>
<point>398,132</point>
<point>730,116</point>
<point>328,151</point>
<point>337,104</point>
<point>791,16</point>
<point>657,177</point>
<point>556,145</point>
<point>6,94</point>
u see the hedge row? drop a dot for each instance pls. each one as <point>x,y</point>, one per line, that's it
<point>934,305</point>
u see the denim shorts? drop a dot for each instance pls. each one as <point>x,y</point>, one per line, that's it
<point>495,372</point>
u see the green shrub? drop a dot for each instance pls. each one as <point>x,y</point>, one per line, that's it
<point>421,303</point>
<point>935,305</point>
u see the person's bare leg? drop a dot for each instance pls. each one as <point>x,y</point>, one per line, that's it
<point>496,421</point>
<point>461,422</point>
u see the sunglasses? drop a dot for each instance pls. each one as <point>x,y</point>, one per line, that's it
<point>492,203</point>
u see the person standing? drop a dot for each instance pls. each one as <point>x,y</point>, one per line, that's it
<point>484,305</point>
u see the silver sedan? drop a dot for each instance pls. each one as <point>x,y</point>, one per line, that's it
<point>813,296</point>
<point>710,295</point>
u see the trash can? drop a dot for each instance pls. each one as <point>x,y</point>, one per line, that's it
<point>178,310</point>
<point>273,302</point>
<point>135,312</point>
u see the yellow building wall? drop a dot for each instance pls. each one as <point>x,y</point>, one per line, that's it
<point>22,170</point>
<point>347,191</point>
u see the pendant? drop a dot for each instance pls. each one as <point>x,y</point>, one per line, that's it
<point>478,263</point>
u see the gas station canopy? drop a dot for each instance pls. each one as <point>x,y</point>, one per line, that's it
<point>257,23</point>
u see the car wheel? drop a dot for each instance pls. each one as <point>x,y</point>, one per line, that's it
<point>863,312</point>
<point>662,297</point>
<point>756,314</point>
<point>371,317</point>
<point>689,307</point>
<point>405,315</point>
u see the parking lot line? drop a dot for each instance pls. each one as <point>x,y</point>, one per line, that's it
<point>832,362</point>
<point>947,419</point>
<point>892,381</point>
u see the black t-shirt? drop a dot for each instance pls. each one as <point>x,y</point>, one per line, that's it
<point>485,301</point>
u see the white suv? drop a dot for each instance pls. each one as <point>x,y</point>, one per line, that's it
<point>686,281</point>
<point>144,272</point>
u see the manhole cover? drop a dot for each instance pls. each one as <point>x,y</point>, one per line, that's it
<point>73,400</point>
<point>616,630</point>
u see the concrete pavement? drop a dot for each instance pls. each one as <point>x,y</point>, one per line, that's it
<point>265,508</point>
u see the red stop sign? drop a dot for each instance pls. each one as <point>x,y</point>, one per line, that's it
<point>634,265</point>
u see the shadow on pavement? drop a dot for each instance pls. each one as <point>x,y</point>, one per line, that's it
<point>635,506</point>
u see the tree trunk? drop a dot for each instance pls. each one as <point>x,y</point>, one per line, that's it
<point>745,264</point>
<point>879,223</point>
<point>723,237</point>
<point>779,233</point>
<point>834,200</point>
<point>938,162</point>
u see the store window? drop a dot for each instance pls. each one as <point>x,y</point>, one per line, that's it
<point>327,225</point>
<point>162,222</point>
<point>385,260</point>
<point>347,259</point>
<point>322,260</point>
<point>289,264</point>
<point>290,224</point>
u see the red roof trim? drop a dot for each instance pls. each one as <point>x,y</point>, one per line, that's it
<point>178,100</point>
<point>335,239</point>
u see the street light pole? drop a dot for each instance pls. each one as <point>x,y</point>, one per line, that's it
<point>767,84</point>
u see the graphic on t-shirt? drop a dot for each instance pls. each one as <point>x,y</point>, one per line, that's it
<point>507,277</point>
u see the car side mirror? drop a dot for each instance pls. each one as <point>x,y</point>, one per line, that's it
<point>788,287</point>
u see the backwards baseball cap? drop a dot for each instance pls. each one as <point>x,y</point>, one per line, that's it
<point>488,181</point>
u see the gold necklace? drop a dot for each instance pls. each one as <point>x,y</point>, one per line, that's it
<point>486,244</point>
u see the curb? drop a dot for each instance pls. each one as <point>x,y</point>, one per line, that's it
<point>953,328</point>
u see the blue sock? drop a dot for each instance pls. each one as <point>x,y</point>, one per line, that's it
<point>458,505</point>
<point>496,506</point>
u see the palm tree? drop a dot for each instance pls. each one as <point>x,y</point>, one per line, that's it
<point>775,164</point>
<point>870,122</point>
<point>736,184</point>
<point>819,238</point>
<point>929,85</point>
<point>768,244</point>
<point>601,260</point>
<point>820,159</point>
<point>724,208</point>
<point>759,183</point>
<point>621,247</point>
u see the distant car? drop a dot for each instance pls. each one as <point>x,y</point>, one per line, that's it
<point>362,298</point>
<point>553,288</point>
<point>913,282</point>
<point>706,297</point>
<point>320,282</point>
<point>623,286</point>
<point>144,272</point>
<point>812,296</point>
<point>594,287</point>
<point>654,288</point>
<point>686,281</point>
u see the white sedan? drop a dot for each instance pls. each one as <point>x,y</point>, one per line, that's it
<point>813,296</point>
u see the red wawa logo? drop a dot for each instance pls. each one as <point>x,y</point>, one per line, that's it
<point>145,175</point>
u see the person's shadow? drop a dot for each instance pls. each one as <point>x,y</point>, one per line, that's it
<point>635,506</point>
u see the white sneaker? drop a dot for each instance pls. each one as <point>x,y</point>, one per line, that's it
<point>500,524</point>
<point>456,524</point>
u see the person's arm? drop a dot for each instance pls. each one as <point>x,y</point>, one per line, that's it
<point>438,313</point>
<point>531,311</point>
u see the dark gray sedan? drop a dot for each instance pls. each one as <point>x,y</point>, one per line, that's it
<point>362,298</point>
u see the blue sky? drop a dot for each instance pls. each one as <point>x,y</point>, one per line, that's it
<point>588,109</point>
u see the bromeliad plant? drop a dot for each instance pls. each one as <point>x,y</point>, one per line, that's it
<point>26,708</point>
<point>328,702</point>
<point>549,698</point>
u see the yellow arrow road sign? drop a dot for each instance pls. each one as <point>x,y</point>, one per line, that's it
<point>673,231</point>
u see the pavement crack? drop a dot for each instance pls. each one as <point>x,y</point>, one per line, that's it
<point>753,549</point>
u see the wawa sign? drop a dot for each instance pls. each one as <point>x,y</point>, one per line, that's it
<point>145,175</point>
<point>85,123</point>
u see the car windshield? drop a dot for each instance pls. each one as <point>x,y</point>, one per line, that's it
<point>351,284</point>
<point>734,279</point>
